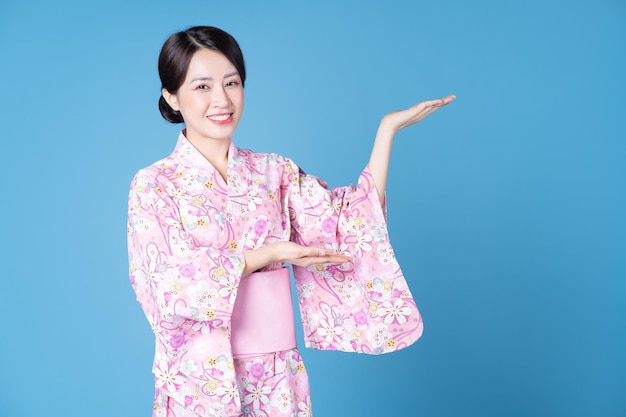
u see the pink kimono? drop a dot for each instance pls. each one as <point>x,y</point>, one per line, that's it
<point>187,231</point>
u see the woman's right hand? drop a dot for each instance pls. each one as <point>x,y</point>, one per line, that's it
<point>299,255</point>
<point>292,253</point>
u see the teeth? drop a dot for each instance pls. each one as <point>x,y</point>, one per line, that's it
<point>220,117</point>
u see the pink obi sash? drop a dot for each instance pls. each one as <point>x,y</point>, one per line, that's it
<point>262,320</point>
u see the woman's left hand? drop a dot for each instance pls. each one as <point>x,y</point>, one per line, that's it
<point>389,126</point>
<point>402,118</point>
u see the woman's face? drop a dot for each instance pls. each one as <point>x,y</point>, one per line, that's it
<point>211,97</point>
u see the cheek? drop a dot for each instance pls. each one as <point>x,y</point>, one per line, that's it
<point>190,103</point>
<point>237,99</point>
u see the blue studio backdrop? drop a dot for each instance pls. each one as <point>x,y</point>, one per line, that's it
<point>506,208</point>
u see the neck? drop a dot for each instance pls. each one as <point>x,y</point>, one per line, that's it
<point>215,151</point>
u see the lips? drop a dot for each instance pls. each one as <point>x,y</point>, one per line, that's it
<point>221,119</point>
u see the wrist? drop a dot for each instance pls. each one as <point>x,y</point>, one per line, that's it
<point>387,126</point>
<point>269,254</point>
<point>255,259</point>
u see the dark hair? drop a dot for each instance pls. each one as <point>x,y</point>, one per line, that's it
<point>176,55</point>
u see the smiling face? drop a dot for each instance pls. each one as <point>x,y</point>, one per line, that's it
<point>210,99</point>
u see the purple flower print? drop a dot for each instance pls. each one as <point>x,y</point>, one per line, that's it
<point>177,341</point>
<point>260,226</point>
<point>187,270</point>
<point>329,227</point>
<point>360,318</point>
<point>257,370</point>
<point>331,269</point>
<point>228,264</point>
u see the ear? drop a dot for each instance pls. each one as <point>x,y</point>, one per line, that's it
<point>170,99</point>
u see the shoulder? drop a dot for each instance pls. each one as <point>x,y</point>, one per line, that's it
<point>264,159</point>
<point>156,175</point>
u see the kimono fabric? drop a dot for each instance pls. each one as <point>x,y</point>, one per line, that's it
<point>187,231</point>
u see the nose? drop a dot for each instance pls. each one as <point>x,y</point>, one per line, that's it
<point>219,98</point>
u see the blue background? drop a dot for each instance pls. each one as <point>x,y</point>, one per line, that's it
<point>506,209</point>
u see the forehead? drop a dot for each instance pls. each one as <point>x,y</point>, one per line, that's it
<point>209,63</point>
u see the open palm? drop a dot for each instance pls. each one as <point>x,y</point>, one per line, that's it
<point>402,118</point>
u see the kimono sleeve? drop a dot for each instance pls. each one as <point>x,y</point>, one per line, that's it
<point>174,278</point>
<point>364,306</point>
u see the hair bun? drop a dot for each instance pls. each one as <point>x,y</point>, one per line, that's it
<point>168,112</point>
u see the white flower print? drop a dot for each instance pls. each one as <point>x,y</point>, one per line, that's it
<point>202,294</point>
<point>328,329</point>
<point>330,208</point>
<point>309,316</point>
<point>229,288</point>
<point>349,293</point>
<point>304,408</point>
<point>201,327</point>
<point>339,248</point>
<point>174,192</point>
<point>258,394</point>
<point>378,335</point>
<point>167,377</point>
<point>254,200</point>
<point>282,399</point>
<point>379,232</point>
<point>385,254</point>
<point>311,191</point>
<point>188,367</point>
<point>394,311</point>
<point>228,392</point>
<point>305,290</point>
<point>362,242</point>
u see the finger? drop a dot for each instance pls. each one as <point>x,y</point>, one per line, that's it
<point>322,252</point>
<point>447,100</point>
<point>339,258</point>
<point>437,104</point>
<point>433,103</point>
<point>423,113</point>
<point>420,116</point>
<point>317,260</point>
<point>333,258</point>
<point>440,102</point>
<point>321,261</point>
<point>328,260</point>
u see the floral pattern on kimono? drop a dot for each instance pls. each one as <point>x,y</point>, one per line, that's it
<point>187,231</point>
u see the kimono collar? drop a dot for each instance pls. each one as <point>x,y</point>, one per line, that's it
<point>189,156</point>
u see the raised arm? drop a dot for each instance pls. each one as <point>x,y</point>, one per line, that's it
<point>389,126</point>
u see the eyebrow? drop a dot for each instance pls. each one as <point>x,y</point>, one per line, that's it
<point>230,74</point>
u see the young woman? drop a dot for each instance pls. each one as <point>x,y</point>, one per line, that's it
<point>211,227</point>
